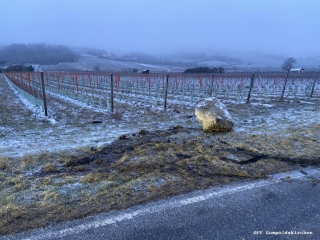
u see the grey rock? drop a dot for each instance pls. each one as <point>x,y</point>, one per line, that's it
<point>213,115</point>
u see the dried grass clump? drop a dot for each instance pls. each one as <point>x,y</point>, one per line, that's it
<point>22,185</point>
<point>9,212</point>
<point>79,168</point>
<point>26,161</point>
<point>50,196</point>
<point>3,163</point>
<point>107,186</point>
<point>160,146</point>
<point>98,161</point>
<point>94,177</point>
<point>49,167</point>
<point>2,176</point>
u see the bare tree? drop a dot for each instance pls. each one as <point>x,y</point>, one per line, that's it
<point>288,64</point>
<point>97,68</point>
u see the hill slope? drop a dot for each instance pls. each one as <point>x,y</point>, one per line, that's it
<point>37,54</point>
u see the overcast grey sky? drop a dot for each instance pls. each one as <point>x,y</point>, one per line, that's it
<point>290,27</point>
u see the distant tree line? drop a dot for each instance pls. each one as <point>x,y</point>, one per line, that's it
<point>205,70</point>
<point>19,68</point>
<point>37,54</point>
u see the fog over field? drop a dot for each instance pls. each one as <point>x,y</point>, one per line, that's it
<point>280,28</point>
<point>107,105</point>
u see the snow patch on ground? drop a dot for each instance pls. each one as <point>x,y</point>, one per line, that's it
<point>59,136</point>
<point>37,112</point>
<point>53,135</point>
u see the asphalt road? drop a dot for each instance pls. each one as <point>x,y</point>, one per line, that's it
<point>287,206</point>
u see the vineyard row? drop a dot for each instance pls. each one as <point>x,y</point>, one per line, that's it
<point>104,91</point>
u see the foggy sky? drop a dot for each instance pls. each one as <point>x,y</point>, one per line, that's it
<point>288,27</point>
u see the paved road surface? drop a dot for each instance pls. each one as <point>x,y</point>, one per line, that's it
<point>249,210</point>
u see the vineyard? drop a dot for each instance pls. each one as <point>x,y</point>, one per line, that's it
<point>112,141</point>
<point>109,92</point>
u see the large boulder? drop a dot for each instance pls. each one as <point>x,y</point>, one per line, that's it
<point>213,115</point>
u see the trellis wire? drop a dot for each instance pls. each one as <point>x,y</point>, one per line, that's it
<point>100,89</point>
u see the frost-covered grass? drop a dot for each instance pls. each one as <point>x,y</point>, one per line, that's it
<point>65,166</point>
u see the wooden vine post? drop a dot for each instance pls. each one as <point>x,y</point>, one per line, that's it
<point>250,89</point>
<point>284,86</point>
<point>166,92</point>
<point>314,84</point>
<point>211,89</point>
<point>111,89</point>
<point>44,96</point>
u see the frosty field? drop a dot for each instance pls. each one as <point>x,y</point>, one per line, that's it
<point>82,159</point>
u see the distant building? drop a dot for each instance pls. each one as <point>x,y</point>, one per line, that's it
<point>297,70</point>
<point>146,71</point>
